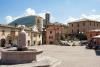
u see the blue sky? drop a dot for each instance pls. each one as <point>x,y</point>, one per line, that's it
<point>62,11</point>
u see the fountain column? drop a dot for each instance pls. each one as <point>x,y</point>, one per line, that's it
<point>22,39</point>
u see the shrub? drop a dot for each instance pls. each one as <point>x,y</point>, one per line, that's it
<point>71,40</point>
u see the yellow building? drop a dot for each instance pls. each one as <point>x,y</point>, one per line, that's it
<point>9,34</point>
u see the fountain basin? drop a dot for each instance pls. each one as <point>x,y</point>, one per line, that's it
<point>14,56</point>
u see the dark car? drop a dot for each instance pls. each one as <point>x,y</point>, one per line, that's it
<point>14,44</point>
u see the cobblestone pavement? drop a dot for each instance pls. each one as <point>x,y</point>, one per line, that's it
<point>71,56</point>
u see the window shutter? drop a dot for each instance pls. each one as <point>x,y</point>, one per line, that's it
<point>11,33</point>
<point>14,33</point>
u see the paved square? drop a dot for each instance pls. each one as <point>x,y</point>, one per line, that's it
<point>71,56</point>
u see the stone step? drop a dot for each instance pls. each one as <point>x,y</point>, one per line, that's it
<point>45,62</point>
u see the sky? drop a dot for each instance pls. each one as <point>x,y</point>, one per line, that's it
<point>63,11</point>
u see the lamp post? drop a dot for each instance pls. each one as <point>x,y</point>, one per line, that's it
<point>81,35</point>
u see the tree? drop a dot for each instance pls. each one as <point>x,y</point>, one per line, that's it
<point>65,26</point>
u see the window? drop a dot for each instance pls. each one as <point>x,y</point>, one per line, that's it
<point>90,34</point>
<point>57,32</point>
<point>96,34</point>
<point>83,30</point>
<point>38,21</point>
<point>90,24</point>
<point>57,28</point>
<point>39,35</point>
<point>50,32</point>
<point>94,24</point>
<point>34,35</point>
<point>3,32</point>
<point>12,33</point>
<point>83,24</point>
<point>43,34</point>
<point>34,42</point>
<point>72,25</point>
<point>97,24</point>
<point>72,31</point>
<point>50,37</point>
<point>77,25</point>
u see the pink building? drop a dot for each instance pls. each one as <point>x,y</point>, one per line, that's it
<point>53,31</point>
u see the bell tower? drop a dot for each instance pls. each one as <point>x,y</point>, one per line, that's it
<point>39,22</point>
<point>47,19</point>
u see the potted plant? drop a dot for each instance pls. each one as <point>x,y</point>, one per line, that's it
<point>71,40</point>
<point>74,44</point>
<point>39,42</point>
<point>67,40</point>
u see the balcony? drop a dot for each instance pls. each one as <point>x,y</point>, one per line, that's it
<point>58,34</point>
<point>12,36</point>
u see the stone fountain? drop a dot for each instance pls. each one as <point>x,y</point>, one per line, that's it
<point>22,54</point>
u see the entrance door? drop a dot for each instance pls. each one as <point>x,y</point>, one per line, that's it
<point>28,42</point>
<point>9,41</point>
<point>77,30</point>
<point>50,42</point>
<point>2,42</point>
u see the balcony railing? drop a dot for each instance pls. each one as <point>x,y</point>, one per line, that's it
<point>12,36</point>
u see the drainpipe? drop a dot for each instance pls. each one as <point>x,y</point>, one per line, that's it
<point>36,38</point>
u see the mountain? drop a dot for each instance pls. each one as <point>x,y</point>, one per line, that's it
<point>27,21</point>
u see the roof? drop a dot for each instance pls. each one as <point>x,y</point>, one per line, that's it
<point>96,36</point>
<point>50,29</point>
<point>26,28</point>
<point>95,30</point>
<point>84,19</point>
<point>55,24</point>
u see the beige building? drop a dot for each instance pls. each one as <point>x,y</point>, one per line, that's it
<point>82,26</point>
<point>9,34</point>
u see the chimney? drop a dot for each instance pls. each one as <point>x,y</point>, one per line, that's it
<point>15,24</point>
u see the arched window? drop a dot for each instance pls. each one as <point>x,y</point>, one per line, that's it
<point>38,21</point>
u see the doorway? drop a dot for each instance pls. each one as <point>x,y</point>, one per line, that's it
<point>2,42</point>
<point>9,41</point>
<point>50,42</point>
<point>28,42</point>
<point>77,31</point>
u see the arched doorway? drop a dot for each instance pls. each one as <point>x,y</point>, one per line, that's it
<point>2,42</point>
<point>50,42</point>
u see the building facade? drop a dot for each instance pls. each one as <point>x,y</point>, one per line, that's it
<point>82,25</point>
<point>93,33</point>
<point>9,34</point>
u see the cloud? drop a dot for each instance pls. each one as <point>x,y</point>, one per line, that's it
<point>70,19</point>
<point>43,10</point>
<point>42,15</point>
<point>52,19</point>
<point>28,12</point>
<point>93,17</point>
<point>93,10</point>
<point>8,19</point>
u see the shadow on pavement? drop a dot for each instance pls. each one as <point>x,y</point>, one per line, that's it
<point>97,52</point>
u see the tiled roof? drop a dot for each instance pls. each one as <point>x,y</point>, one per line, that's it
<point>56,24</point>
<point>50,29</point>
<point>84,19</point>
<point>26,28</point>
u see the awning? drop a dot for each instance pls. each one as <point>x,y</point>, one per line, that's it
<point>96,36</point>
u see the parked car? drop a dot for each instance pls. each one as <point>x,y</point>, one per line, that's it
<point>85,43</point>
<point>14,44</point>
